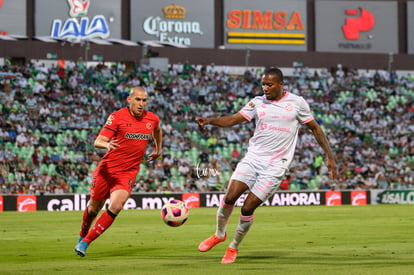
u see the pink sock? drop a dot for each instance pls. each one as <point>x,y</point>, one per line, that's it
<point>243,227</point>
<point>223,215</point>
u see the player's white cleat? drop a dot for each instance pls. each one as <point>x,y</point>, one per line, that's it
<point>209,243</point>
<point>230,256</point>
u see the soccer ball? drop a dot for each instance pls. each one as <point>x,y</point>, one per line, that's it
<point>174,213</point>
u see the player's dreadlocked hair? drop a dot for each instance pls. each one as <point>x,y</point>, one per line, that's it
<point>276,71</point>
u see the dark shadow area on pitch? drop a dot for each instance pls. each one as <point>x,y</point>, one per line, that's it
<point>265,255</point>
<point>333,258</point>
<point>129,251</point>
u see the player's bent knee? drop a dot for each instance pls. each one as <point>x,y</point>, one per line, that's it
<point>115,209</point>
<point>247,211</point>
<point>229,201</point>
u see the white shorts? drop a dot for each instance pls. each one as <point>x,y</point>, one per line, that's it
<point>262,179</point>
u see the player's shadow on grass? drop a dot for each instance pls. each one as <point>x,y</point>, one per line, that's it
<point>127,251</point>
<point>262,255</point>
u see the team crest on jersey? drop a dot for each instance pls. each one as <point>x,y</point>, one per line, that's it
<point>149,125</point>
<point>251,104</point>
<point>289,107</point>
<point>110,119</point>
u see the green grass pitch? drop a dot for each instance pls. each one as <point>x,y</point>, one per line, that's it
<point>283,240</point>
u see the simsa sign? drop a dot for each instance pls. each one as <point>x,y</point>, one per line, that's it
<point>265,24</point>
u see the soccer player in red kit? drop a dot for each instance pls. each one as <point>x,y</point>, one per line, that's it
<point>125,135</point>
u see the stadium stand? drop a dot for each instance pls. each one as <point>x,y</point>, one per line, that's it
<point>50,117</point>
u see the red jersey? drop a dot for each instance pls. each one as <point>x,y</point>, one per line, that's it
<point>132,134</point>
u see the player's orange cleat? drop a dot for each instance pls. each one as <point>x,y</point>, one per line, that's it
<point>230,256</point>
<point>209,243</point>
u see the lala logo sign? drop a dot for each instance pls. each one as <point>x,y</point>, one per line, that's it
<point>26,203</point>
<point>82,29</point>
<point>1,199</point>
<point>78,7</point>
<point>354,25</point>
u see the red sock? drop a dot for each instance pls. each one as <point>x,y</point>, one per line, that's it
<point>86,223</point>
<point>102,223</point>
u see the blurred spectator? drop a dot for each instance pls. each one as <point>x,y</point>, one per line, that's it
<point>55,157</point>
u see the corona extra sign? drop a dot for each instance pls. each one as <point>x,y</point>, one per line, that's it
<point>173,27</point>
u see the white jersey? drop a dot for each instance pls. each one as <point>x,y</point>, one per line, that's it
<point>277,126</point>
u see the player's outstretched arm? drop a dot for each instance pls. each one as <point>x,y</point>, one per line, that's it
<point>223,122</point>
<point>104,142</point>
<point>157,135</point>
<point>323,142</point>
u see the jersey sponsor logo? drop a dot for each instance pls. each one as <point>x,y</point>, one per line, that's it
<point>264,126</point>
<point>137,136</point>
<point>353,26</point>
<point>289,107</point>
<point>110,119</point>
<point>288,117</point>
<point>149,125</point>
<point>262,114</point>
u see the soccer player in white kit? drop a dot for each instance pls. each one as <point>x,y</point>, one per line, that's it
<point>278,115</point>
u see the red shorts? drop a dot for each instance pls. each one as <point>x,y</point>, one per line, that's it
<point>103,184</point>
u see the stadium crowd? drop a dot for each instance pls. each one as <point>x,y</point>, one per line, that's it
<point>50,116</point>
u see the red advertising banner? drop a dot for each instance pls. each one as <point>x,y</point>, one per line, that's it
<point>333,198</point>
<point>191,200</point>
<point>1,203</point>
<point>358,197</point>
<point>26,203</point>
